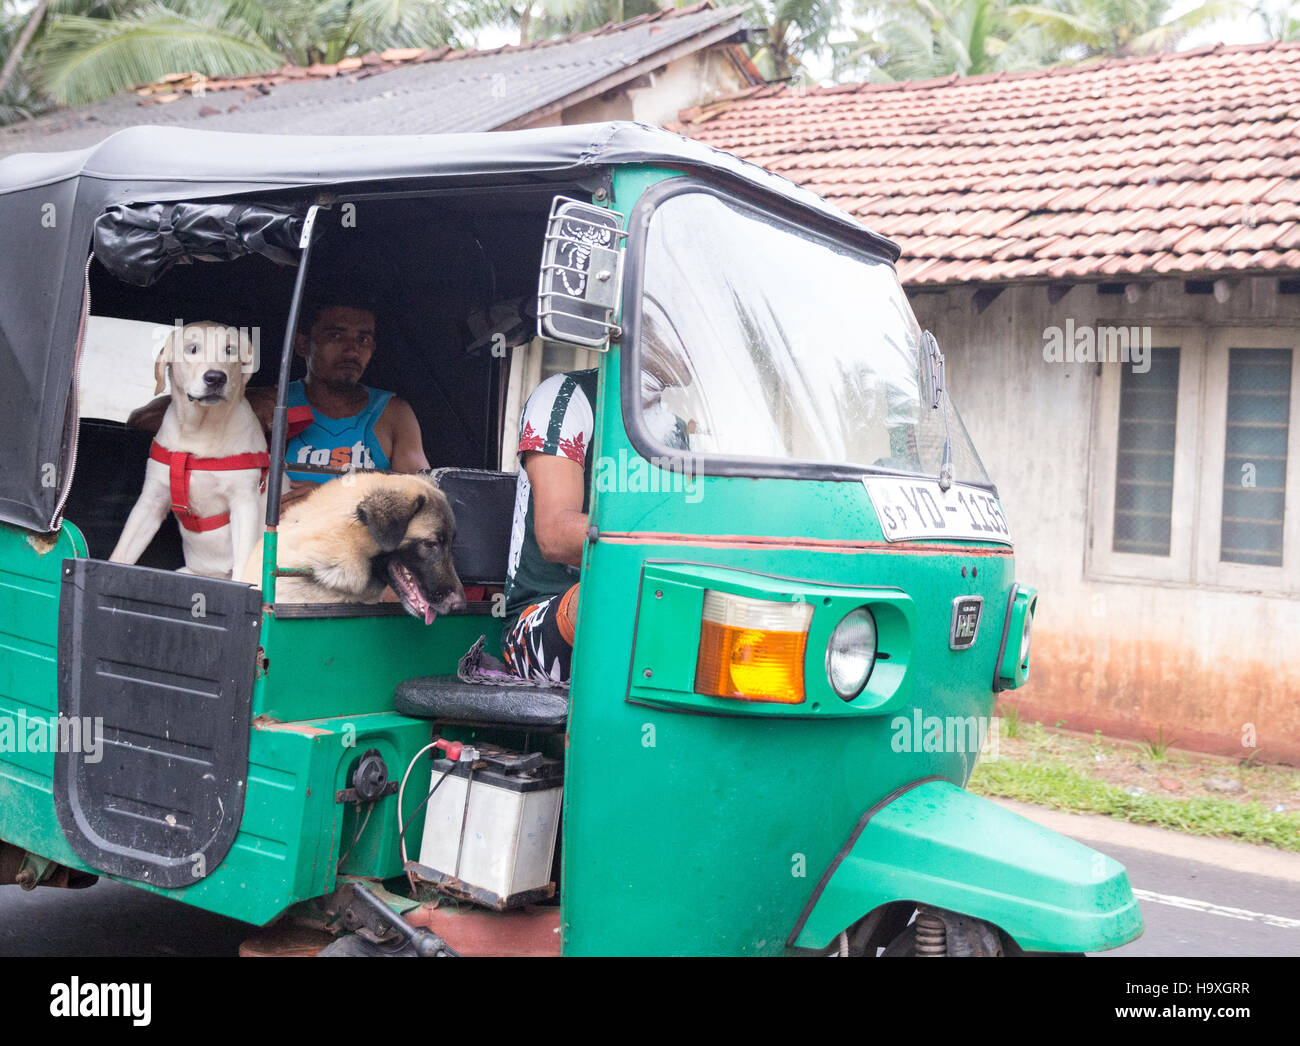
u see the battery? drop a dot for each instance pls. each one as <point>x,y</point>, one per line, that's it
<point>503,856</point>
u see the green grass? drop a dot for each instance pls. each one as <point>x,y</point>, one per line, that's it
<point>1010,720</point>
<point>1158,749</point>
<point>1063,788</point>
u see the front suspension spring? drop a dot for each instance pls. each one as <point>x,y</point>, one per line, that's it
<point>931,935</point>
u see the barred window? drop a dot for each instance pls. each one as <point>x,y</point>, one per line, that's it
<point>1255,456</point>
<point>1144,470</point>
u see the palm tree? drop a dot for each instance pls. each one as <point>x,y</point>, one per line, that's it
<point>1281,20</point>
<point>920,39</point>
<point>923,39</point>
<point>79,50</point>
<point>328,31</point>
<point>789,30</point>
<point>18,45</point>
<point>81,58</point>
<point>544,18</point>
<point>1118,28</point>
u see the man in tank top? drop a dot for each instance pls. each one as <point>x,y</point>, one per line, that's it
<point>353,426</point>
<point>349,425</point>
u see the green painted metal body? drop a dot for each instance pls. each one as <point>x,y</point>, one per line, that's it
<point>691,825</point>
<point>719,825</point>
<point>325,697</point>
<point>960,852</point>
<point>30,572</point>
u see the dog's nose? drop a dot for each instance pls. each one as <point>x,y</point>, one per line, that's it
<point>214,378</point>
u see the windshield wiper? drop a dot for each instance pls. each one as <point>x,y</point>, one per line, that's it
<point>938,395</point>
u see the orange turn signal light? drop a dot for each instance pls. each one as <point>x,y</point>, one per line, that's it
<point>752,649</point>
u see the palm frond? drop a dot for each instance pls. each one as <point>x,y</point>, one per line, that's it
<point>81,59</point>
<point>1167,36</point>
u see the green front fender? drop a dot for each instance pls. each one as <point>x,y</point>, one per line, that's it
<point>937,844</point>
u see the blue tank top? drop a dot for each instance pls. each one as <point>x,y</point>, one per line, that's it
<point>340,442</point>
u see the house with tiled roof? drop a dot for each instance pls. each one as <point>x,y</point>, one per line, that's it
<point>1109,254</point>
<point>644,69</point>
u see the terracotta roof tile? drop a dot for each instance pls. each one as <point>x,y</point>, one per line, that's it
<point>1176,163</point>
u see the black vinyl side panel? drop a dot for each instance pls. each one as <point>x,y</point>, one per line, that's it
<point>483,505</point>
<point>166,660</point>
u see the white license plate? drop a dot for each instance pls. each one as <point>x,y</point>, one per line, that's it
<point>917,508</point>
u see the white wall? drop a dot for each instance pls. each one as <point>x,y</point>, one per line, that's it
<point>1129,656</point>
<point>657,97</point>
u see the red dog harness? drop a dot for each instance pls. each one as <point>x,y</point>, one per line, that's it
<point>182,464</point>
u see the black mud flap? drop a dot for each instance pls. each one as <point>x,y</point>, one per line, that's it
<point>161,664</point>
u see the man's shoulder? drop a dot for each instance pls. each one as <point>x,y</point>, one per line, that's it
<point>550,422</point>
<point>564,386</point>
<point>390,399</point>
<point>396,411</point>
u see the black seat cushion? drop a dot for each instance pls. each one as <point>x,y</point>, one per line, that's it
<point>111,461</point>
<point>447,698</point>
<point>483,503</point>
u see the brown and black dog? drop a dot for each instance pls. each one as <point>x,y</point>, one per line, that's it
<point>359,534</point>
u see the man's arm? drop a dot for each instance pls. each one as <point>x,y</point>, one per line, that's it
<point>149,417</point>
<point>262,399</point>
<point>559,524</point>
<point>407,454</point>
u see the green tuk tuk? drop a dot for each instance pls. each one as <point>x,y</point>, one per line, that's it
<point>798,596</point>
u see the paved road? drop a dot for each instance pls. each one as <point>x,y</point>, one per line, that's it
<point>110,919</point>
<point>1258,926</point>
<point>1198,897</point>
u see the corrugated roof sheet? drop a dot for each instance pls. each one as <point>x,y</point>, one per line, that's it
<point>1177,163</point>
<point>408,91</point>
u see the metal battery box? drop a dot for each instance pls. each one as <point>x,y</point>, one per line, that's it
<point>490,829</point>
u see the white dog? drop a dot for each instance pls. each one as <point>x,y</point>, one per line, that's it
<point>208,462</point>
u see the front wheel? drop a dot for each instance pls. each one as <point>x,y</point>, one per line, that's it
<point>902,930</point>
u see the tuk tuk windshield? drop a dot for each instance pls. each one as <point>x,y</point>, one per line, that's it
<point>762,342</point>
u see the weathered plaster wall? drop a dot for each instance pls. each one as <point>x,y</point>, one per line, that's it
<point>1126,656</point>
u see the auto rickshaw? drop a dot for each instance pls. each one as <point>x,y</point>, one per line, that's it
<point>798,599</point>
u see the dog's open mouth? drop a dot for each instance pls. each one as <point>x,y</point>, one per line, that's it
<point>411,594</point>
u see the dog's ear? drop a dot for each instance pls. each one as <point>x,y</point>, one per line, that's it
<point>248,357</point>
<point>387,514</point>
<point>161,361</point>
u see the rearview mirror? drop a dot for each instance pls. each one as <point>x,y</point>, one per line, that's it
<point>581,280</point>
<point>932,371</point>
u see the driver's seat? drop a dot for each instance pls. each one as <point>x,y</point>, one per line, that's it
<point>483,505</point>
<point>448,699</point>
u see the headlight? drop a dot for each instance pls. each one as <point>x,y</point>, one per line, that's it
<point>1013,654</point>
<point>851,653</point>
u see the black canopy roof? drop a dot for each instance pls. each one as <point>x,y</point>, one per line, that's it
<point>49,203</point>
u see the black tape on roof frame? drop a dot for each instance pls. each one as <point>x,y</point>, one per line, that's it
<point>138,243</point>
